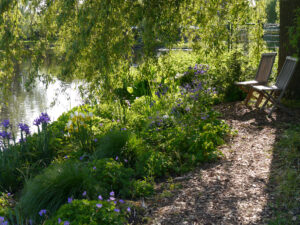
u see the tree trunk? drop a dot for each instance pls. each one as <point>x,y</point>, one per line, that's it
<point>287,17</point>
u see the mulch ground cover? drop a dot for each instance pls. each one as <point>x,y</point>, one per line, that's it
<point>233,190</point>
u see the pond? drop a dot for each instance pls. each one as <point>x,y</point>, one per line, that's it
<point>25,106</point>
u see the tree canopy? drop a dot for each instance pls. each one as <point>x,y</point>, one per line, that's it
<point>94,40</point>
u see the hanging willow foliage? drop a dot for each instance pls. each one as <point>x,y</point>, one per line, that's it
<point>94,39</point>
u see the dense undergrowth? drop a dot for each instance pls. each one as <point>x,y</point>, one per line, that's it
<point>81,168</point>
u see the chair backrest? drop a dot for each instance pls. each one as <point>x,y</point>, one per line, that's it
<point>265,67</point>
<point>286,72</point>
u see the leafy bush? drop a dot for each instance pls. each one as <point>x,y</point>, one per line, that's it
<point>111,144</point>
<point>6,203</point>
<point>54,186</point>
<point>143,188</point>
<point>112,175</point>
<point>90,213</point>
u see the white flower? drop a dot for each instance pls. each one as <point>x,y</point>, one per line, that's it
<point>166,116</point>
<point>69,123</point>
<point>178,75</point>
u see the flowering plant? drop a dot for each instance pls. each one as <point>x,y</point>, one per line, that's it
<point>79,128</point>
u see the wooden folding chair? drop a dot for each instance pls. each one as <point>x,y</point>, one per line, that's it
<point>262,75</point>
<point>282,81</point>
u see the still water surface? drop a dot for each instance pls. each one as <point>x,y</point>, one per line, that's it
<point>23,106</point>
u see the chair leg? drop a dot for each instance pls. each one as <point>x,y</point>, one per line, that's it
<point>267,100</point>
<point>249,95</point>
<point>259,99</point>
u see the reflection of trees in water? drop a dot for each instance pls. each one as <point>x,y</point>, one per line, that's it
<point>20,105</point>
<point>24,106</point>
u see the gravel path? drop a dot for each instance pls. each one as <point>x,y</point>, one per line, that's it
<point>234,190</point>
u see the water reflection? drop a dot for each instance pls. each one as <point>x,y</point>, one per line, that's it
<point>24,106</point>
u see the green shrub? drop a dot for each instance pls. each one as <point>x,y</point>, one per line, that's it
<point>111,144</point>
<point>86,212</point>
<point>151,163</point>
<point>143,188</point>
<point>54,186</point>
<point>112,175</point>
<point>6,203</point>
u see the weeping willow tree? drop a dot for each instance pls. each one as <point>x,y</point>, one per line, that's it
<point>94,40</point>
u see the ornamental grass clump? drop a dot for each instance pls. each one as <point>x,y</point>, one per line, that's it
<point>53,187</point>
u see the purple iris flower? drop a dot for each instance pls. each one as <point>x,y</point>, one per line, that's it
<point>6,123</point>
<point>5,134</point>
<point>43,119</point>
<point>24,128</point>
<point>42,212</point>
<point>70,200</point>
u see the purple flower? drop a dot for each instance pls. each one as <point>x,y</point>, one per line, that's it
<point>121,201</point>
<point>37,122</point>
<point>1,218</point>
<point>5,123</point>
<point>5,134</point>
<point>84,193</point>
<point>66,223</point>
<point>115,202</point>
<point>128,103</point>
<point>81,158</point>
<point>42,212</point>
<point>112,193</point>
<point>100,197</point>
<point>59,220</point>
<point>100,124</point>
<point>66,157</point>
<point>8,194</point>
<point>125,160</point>
<point>158,94</point>
<point>123,128</point>
<point>112,199</point>
<point>99,205</point>
<point>117,210</point>
<point>70,200</point>
<point>94,168</point>
<point>95,140</point>
<point>117,158</point>
<point>24,128</point>
<point>128,209</point>
<point>43,119</point>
